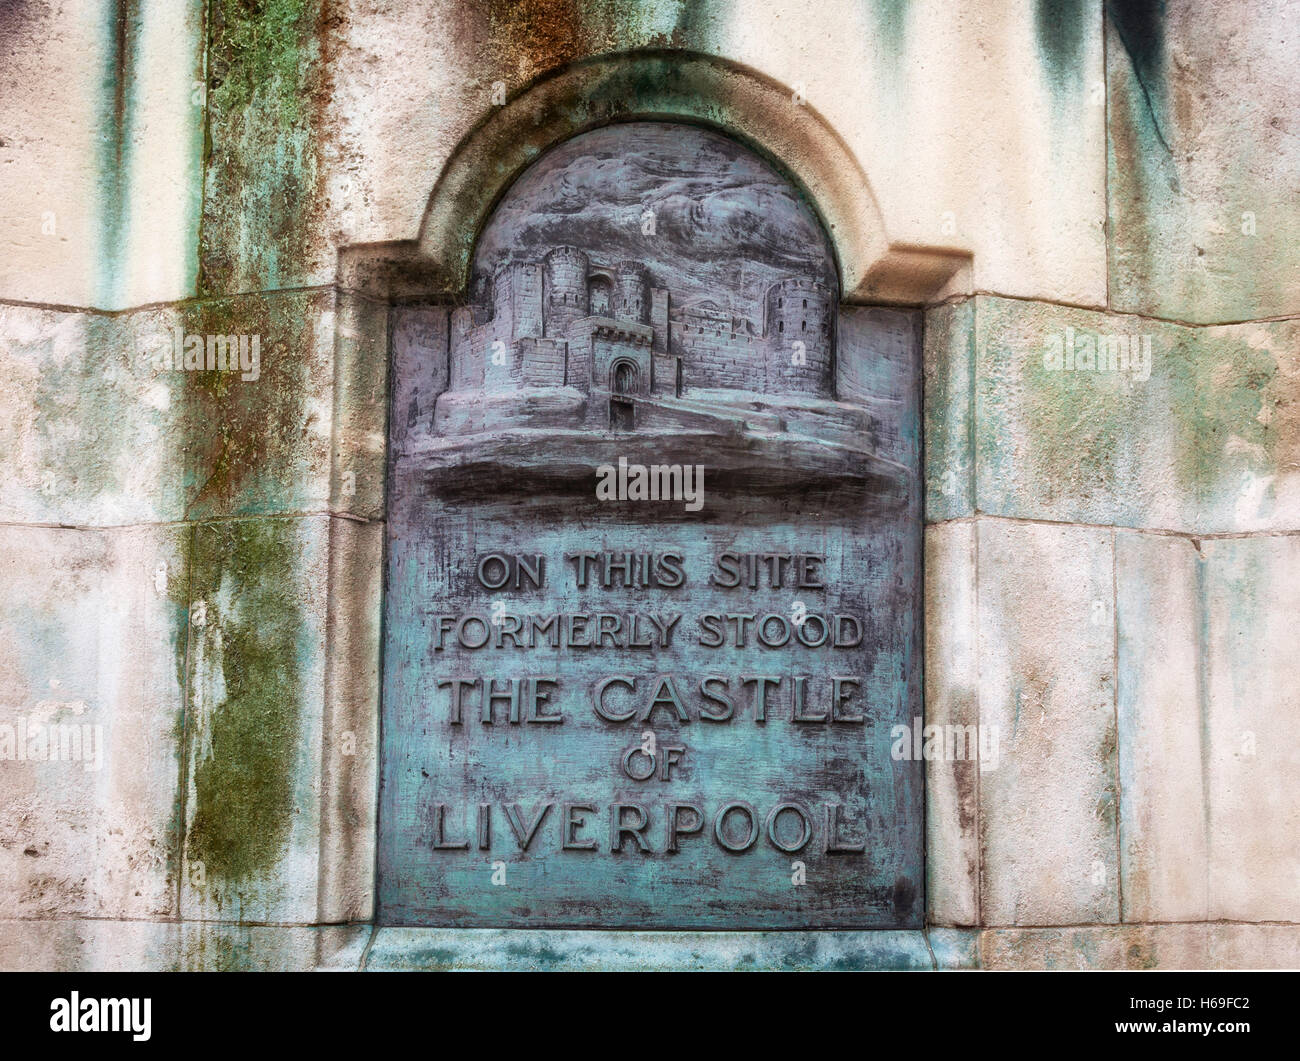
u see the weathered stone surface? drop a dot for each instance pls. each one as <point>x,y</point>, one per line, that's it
<point>100,428</point>
<point>350,730</point>
<point>556,951</point>
<point>952,847</point>
<point>1253,946</point>
<point>1013,113</point>
<point>52,213</point>
<point>949,404</point>
<point>1252,732</point>
<point>270,948</point>
<point>92,646</point>
<point>88,429</point>
<point>253,740</point>
<point>1161,728</point>
<point>100,152</point>
<point>73,945</point>
<point>331,132</point>
<point>1096,947</point>
<point>954,948</point>
<point>361,403</point>
<point>1048,811</point>
<point>1209,442</point>
<point>266,445</point>
<point>355,117</point>
<point>156,946</point>
<point>1204,175</point>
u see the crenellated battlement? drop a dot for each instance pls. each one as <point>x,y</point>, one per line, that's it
<point>604,314</point>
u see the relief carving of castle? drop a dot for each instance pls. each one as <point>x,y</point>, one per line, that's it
<point>715,326</point>
<point>614,332</point>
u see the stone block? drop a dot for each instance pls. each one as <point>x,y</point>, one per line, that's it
<point>1204,174</point>
<point>1047,680</point>
<point>253,739</point>
<point>92,656</point>
<point>100,161</point>
<point>1207,442</point>
<point>1252,727</point>
<point>261,442</point>
<point>1162,793</point>
<point>1096,947</point>
<point>1253,946</point>
<point>949,368</point>
<point>952,846</point>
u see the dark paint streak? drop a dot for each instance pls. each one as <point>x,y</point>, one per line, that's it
<point>1140,26</point>
<point>1062,27</point>
<point>113,164</point>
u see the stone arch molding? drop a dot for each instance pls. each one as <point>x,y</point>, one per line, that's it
<point>665,86</point>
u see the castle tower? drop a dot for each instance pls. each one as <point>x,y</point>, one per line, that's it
<point>566,289</point>
<point>632,292</point>
<point>502,297</point>
<point>517,300</point>
<point>800,340</point>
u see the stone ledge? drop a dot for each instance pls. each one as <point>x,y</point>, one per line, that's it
<point>484,949</point>
<point>1211,945</point>
<point>86,945</point>
<point>172,946</point>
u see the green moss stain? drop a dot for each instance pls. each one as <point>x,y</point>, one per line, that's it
<point>529,37</point>
<point>121,35</point>
<point>1211,413</point>
<point>890,18</point>
<point>254,446</point>
<point>247,656</point>
<point>178,604</point>
<point>266,96</point>
<point>1215,406</point>
<point>257,51</point>
<point>1139,24</point>
<point>1141,28</point>
<point>1061,28</point>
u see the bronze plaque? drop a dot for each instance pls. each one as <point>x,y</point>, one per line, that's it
<point>653,564</point>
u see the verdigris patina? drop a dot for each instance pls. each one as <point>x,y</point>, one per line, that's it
<point>653,566</point>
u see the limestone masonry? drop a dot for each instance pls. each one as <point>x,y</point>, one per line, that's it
<point>316,316</point>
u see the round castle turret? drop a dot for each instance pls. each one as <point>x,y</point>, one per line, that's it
<point>800,319</point>
<point>498,288</point>
<point>632,293</point>
<point>566,289</point>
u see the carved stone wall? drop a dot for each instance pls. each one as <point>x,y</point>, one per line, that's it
<point>192,559</point>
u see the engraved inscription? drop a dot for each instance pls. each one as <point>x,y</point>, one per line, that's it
<point>653,552</point>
